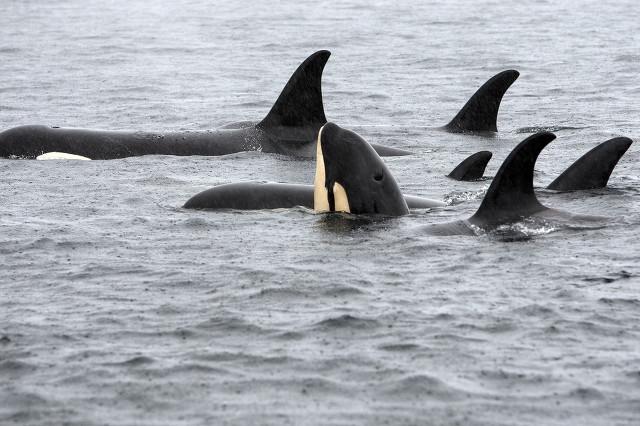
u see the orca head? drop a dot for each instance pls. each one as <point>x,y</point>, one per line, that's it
<point>351,177</point>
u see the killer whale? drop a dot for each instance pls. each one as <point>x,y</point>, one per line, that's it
<point>339,143</point>
<point>472,167</point>
<point>289,128</point>
<point>511,197</point>
<point>480,114</point>
<point>593,169</point>
<point>351,177</point>
<point>259,196</point>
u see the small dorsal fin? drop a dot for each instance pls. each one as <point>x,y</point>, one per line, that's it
<point>300,102</point>
<point>593,169</point>
<point>480,113</point>
<point>511,194</point>
<point>472,167</point>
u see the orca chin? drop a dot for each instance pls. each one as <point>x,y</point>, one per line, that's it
<point>290,128</point>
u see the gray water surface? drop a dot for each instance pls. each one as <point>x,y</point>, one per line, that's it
<point>119,307</point>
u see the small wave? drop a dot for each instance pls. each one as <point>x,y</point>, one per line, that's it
<point>341,291</point>
<point>523,230</point>
<point>400,347</point>
<point>453,198</point>
<point>535,310</point>
<point>11,367</point>
<point>228,324</point>
<point>608,279</point>
<point>134,362</point>
<point>347,322</point>
<point>628,58</point>
<point>247,359</point>
<point>536,129</point>
<point>279,293</point>
<point>585,394</point>
<point>420,386</point>
<point>195,222</point>
<point>620,302</point>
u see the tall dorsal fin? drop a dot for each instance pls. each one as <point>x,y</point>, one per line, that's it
<point>593,169</point>
<point>480,113</point>
<point>511,194</point>
<point>300,102</point>
<point>472,167</point>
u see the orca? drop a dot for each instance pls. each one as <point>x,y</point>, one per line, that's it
<point>593,169</point>
<point>511,198</point>
<point>352,178</point>
<point>472,167</point>
<point>290,128</point>
<point>341,145</point>
<point>480,114</point>
<point>258,196</point>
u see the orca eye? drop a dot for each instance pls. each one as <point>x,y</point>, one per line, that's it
<point>378,176</point>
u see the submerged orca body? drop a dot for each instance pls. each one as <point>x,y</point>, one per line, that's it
<point>472,167</point>
<point>593,169</point>
<point>348,170</point>
<point>480,114</point>
<point>258,196</point>
<point>290,128</point>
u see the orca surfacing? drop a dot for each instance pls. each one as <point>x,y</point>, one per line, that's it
<point>290,128</point>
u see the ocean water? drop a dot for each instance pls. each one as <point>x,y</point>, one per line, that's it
<point>118,307</point>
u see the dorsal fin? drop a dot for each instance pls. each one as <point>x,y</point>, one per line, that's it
<point>480,113</point>
<point>511,194</point>
<point>300,102</point>
<point>593,169</point>
<point>472,167</point>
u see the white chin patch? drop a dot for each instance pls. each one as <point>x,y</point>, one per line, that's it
<point>340,198</point>
<point>320,193</point>
<point>60,156</point>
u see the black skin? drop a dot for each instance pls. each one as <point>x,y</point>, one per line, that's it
<point>257,196</point>
<point>479,115</point>
<point>592,170</point>
<point>472,167</point>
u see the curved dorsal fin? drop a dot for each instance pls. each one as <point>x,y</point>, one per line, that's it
<point>472,167</point>
<point>300,102</point>
<point>511,194</point>
<point>593,169</point>
<point>480,113</point>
